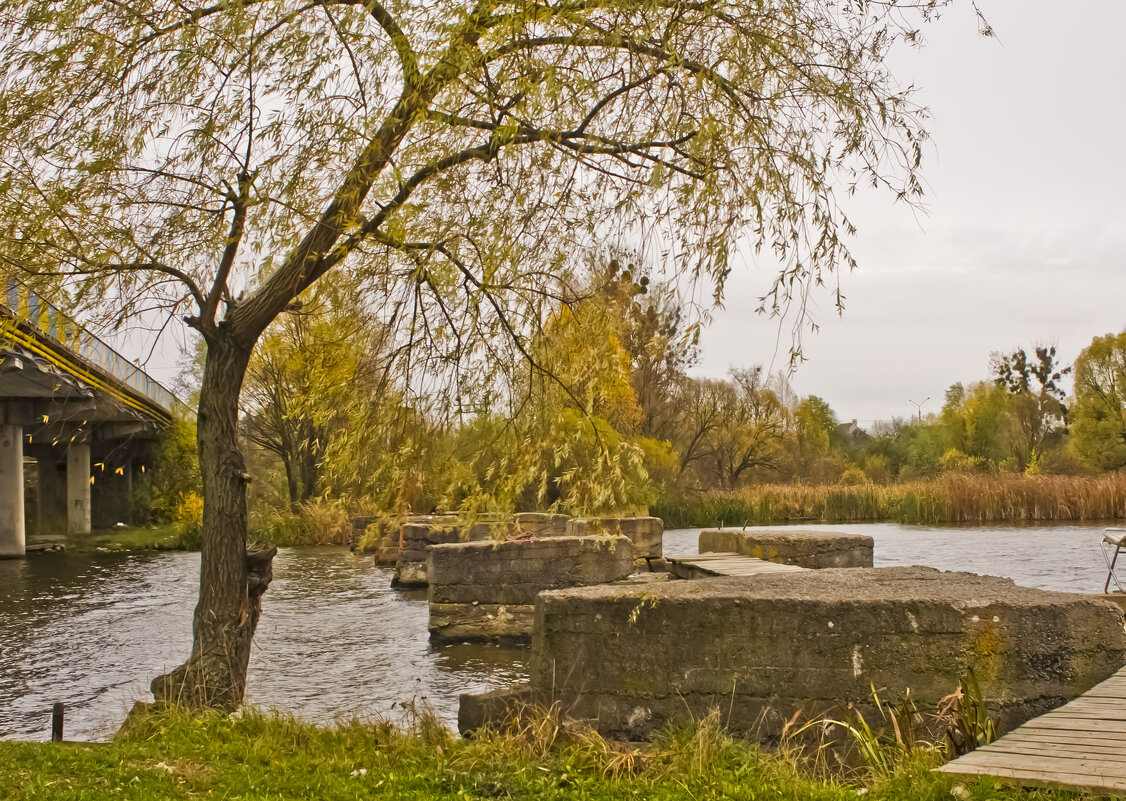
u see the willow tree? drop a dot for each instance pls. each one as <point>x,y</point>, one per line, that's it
<point>214,159</point>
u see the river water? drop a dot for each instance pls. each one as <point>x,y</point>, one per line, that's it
<point>336,641</point>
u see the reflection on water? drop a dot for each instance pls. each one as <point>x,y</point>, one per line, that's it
<point>91,630</point>
<point>1057,557</point>
<point>335,640</point>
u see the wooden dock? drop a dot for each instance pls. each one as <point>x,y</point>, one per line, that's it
<point>724,564</point>
<point>1081,745</point>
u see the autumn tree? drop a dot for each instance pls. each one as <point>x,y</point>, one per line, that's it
<point>815,435</point>
<point>307,369</point>
<point>700,404</point>
<point>212,161</point>
<point>1098,429</point>
<point>1036,407</point>
<point>729,429</point>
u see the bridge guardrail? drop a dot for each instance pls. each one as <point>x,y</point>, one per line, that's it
<point>26,305</point>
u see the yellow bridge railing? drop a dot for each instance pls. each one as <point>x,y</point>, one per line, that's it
<point>23,304</point>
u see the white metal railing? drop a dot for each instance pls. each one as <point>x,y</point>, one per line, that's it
<point>23,303</point>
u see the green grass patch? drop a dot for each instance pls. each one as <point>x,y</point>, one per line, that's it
<point>167,537</point>
<point>172,755</point>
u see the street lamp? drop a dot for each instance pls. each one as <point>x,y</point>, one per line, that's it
<point>919,406</point>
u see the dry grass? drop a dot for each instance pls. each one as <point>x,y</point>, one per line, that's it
<point>317,522</point>
<point>947,499</point>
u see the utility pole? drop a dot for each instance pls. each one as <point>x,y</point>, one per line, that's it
<point>919,406</point>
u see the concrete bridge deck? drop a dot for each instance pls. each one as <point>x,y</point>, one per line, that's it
<point>84,413</point>
<point>1081,745</point>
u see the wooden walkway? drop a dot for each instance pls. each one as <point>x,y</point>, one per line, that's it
<point>1081,745</point>
<point>724,564</point>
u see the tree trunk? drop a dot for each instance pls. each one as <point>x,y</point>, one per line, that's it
<point>231,580</point>
<point>291,481</point>
<point>310,467</point>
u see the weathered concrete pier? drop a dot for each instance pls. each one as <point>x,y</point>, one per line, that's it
<point>783,639</point>
<point>417,534</point>
<point>486,591</point>
<point>812,549</point>
<point>738,552</point>
<point>405,542</point>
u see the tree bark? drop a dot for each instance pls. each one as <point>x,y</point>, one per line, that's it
<point>310,466</point>
<point>291,481</point>
<point>231,580</point>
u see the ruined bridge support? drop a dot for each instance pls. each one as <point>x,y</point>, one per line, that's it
<point>12,540</point>
<point>78,488</point>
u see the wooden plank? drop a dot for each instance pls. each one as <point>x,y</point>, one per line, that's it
<point>1042,768</point>
<point>1060,751</point>
<point>1115,693</point>
<point>1076,752</point>
<point>1115,682</point>
<point>1095,718</point>
<point>1034,763</point>
<point>1045,779</point>
<point>1080,745</point>
<point>1076,724</point>
<point>1085,740</point>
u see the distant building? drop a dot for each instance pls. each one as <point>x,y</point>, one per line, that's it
<point>853,432</point>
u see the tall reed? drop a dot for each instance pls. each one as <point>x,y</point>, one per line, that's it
<point>947,499</point>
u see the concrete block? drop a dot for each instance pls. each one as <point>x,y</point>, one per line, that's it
<point>419,532</point>
<point>477,711</point>
<point>632,657</point>
<point>469,622</point>
<point>646,533</point>
<point>815,549</point>
<point>470,582</point>
<point>541,524</point>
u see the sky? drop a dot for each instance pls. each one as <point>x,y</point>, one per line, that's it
<point>1023,237</point>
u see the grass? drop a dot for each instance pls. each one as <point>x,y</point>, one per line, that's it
<point>165,537</point>
<point>319,522</point>
<point>946,499</point>
<point>172,755</point>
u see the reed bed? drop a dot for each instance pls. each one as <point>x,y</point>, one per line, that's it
<point>317,522</point>
<point>946,499</point>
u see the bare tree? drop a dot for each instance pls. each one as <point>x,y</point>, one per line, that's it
<point>213,160</point>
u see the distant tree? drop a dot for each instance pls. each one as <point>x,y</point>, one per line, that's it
<point>213,161</point>
<point>310,367</point>
<point>730,428</point>
<point>662,347</point>
<point>700,402</point>
<point>816,434</point>
<point>975,423</point>
<point>752,428</point>
<point>1037,407</point>
<point>1098,428</point>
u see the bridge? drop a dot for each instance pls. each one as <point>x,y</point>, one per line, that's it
<point>86,416</point>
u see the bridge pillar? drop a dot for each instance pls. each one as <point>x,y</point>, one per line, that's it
<point>78,488</point>
<point>52,496</point>
<point>11,491</point>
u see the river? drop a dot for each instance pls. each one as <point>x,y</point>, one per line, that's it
<point>335,641</point>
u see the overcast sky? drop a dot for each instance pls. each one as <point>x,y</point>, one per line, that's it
<point>1024,237</point>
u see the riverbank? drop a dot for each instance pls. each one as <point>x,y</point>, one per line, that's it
<point>946,499</point>
<point>172,755</point>
<point>165,537</point>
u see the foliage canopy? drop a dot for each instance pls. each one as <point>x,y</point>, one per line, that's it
<point>215,160</point>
